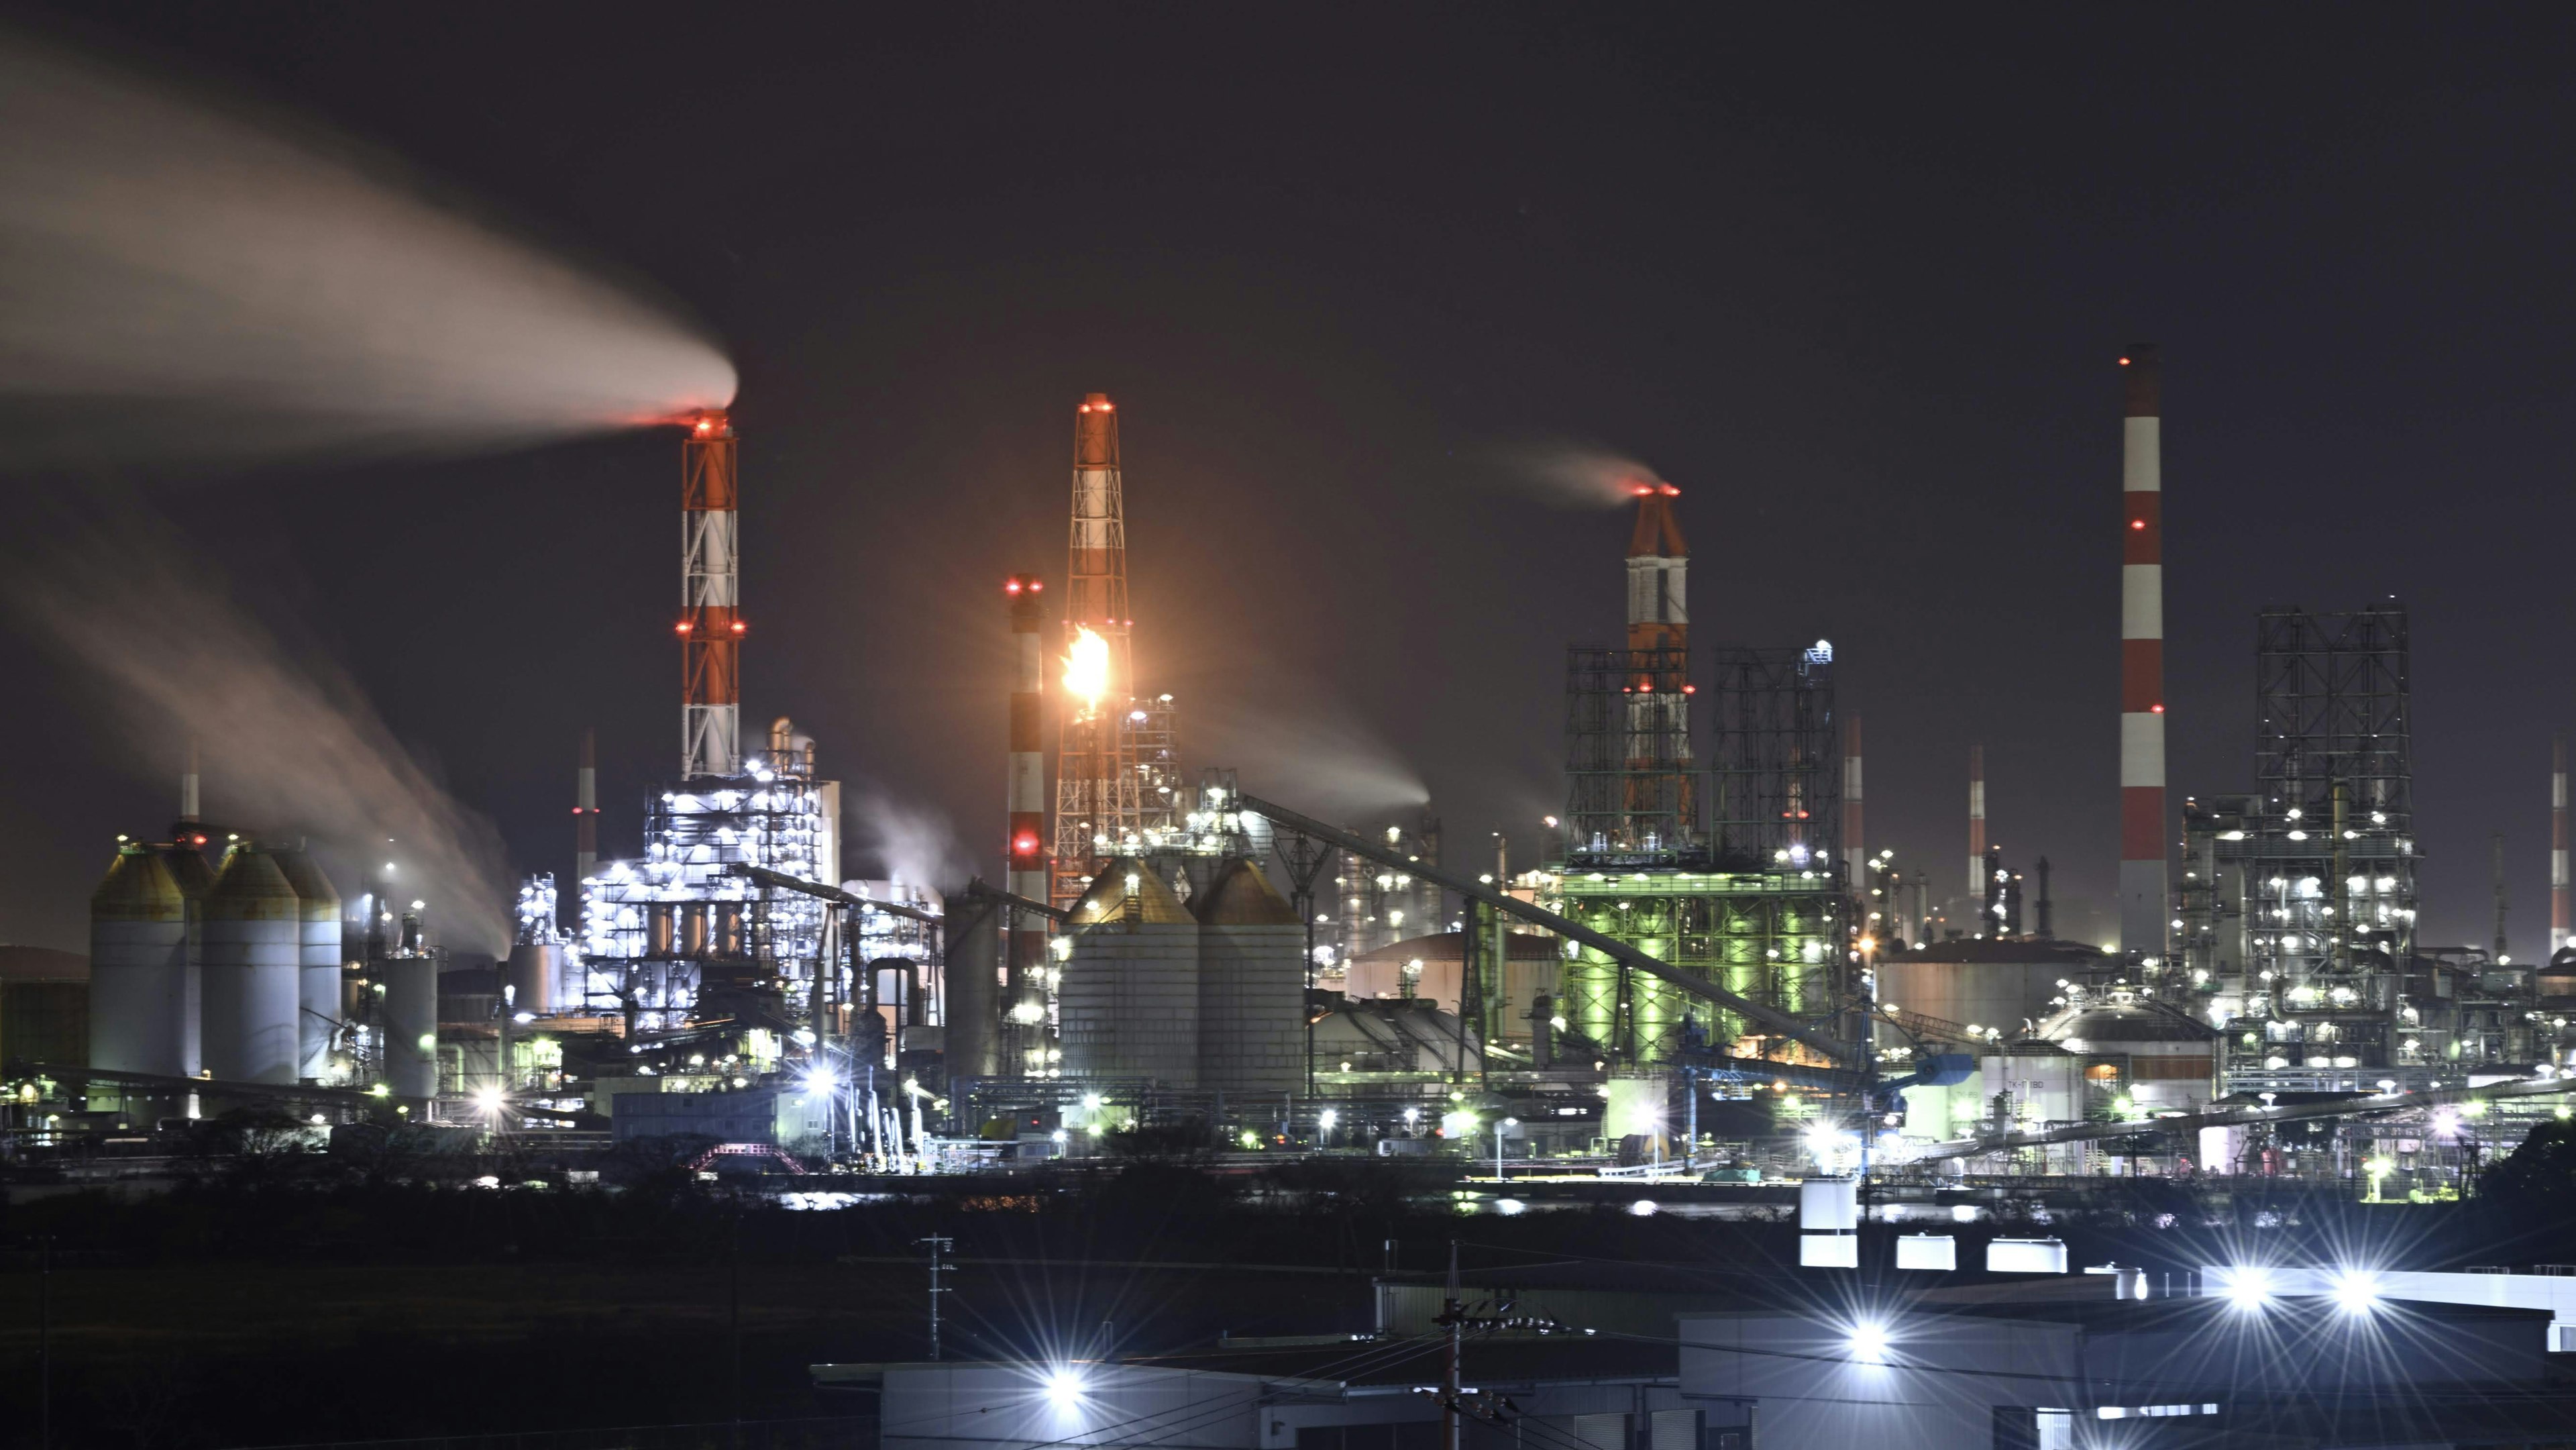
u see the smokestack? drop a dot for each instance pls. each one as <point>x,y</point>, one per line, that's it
<point>188,787</point>
<point>2558,903</point>
<point>2144,909</point>
<point>1658,683</point>
<point>1096,772</point>
<point>1026,847</point>
<point>1977,830</point>
<point>1855,854</point>
<point>585,813</point>
<point>710,626</point>
<point>2495,849</point>
<point>1658,571</point>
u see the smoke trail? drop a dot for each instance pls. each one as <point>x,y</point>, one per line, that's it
<point>1293,752</point>
<point>181,283</point>
<point>912,844</point>
<point>1569,475</point>
<point>288,739</point>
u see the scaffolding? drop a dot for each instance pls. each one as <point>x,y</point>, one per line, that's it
<point>2297,906</point>
<point>1632,796</point>
<point>1778,776</point>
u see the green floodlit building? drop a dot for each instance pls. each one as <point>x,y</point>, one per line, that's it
<point>1781,938</point>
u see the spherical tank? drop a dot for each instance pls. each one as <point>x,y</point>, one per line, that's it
<point>252,969</point>
<point>317,963</point>
<point>139,969</point>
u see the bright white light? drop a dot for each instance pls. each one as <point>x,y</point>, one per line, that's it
<point>488,1100</point>
<point>1510,1207</point>
<point>1065,1388</point>
<point>1329,1118</point>
<point>819,1081</point>
<point>2248,1287</point>
<point>2356,1291</point>
<point>1643,1208</point>
<point>1869,1342</point>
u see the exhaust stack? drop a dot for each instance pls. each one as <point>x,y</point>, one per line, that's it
<point>711,625</point>
<point>1855,854</point>
<point>585,813</point>
<point>1976,830</point>
<point>2558,902</point>
<point>2144,908</point>
<point>1026,848</point>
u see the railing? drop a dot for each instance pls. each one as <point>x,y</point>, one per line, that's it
<point>833,1433</point>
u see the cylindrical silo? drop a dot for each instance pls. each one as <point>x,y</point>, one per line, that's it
<point>1252,985</point>
<point>1129,997</point>
<point>139,969</point>
<point>411,1025</point>
<point>535,977</point>
<point>252,970</point>
<point>971,978</point>
<point>318,973</point>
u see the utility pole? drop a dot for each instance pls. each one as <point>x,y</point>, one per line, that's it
<point>1451,1314</point>
<point>45,1342</point>
<point>733,1325</point>
<point>939,1244</point>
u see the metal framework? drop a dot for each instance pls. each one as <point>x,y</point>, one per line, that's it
<point>1778,787</point>
<point>1100,783</point>
<point>1378,905</point>
<point>711,625</point>
<point>1632,796</point>
<point>1779,938</point>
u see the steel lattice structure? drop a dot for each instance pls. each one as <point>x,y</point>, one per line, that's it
<point>1777,792</point>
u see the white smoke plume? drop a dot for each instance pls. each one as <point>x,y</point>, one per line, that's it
<point>909,843</point>
<point>1569,475</point>
<point>1292,752</point>
<point>289,741</point>
<point>183,284</point>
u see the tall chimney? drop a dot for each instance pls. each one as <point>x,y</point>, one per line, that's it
<point>2559,923</point>
<point>2144,909</point>
<point>2495,847</point>
<point>711,625</point>
<point>1855,854</point>
<point>1976,830</point>
<point>585,813</point>
<point>1026,848</point>
<point>1658,686</point>
<point>188,787</point>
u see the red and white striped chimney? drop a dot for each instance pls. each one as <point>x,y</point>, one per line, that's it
<point>710,626</point>
<point>1026,848</point>
<point>585,813</point>
<point>2144,908</point>
<point>2558,902</point>
<point>1977,831</point>
<point>1855,854</point>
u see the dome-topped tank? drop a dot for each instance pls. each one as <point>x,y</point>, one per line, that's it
<point>1130,991</point>
<point>252,968</point>
<point>142,981</point>
<point>1252,984</point>
<point>317,962</point>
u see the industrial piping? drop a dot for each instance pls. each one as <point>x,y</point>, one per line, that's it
<point>2144,908</point>
<point>711,625</point>
<point>1618,951</point>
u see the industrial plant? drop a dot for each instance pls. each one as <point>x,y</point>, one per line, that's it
<point>1711,975</point>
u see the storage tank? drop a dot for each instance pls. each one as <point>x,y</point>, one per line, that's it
<point>141,978</point>
<point>534,976</point>
<point>252,968</point>
<point>1252,985</point>
<point>411,1024</point>
<point>1129,997</point>
<point>317,996</point>
<point>971,978</point>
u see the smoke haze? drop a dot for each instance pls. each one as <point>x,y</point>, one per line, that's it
<point>905,841</point>
<point>181,284</point>
<point>1569,475</point>
<point>288,742</point>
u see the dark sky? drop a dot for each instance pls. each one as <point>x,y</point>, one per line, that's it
<point>1855,283</point>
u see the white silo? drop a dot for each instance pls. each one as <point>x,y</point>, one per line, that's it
<point>252,970</point>
<point>1129,997</point>
<point>1252,985</point>
<point>140,974</point>
<point>317,972</point>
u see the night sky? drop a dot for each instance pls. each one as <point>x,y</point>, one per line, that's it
<point>1856,285</point>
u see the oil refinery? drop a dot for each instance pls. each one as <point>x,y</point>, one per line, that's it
<point>1711,976</point>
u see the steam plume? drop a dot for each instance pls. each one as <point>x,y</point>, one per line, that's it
<point>1569,475</point>
<point>288,740</point>
<point>181,283</point>
<point>912,844</point>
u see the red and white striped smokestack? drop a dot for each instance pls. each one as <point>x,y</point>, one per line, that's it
<point>2144,909</point>
<point>711,625</point>
<point>1855,854</point>
<point>1658,573</point>
<point>2559,922</point>
<point>1977,831</point>
<point>585,812</point>
<point>1026,848</point>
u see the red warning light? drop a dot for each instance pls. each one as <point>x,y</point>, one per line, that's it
<point>2124,362</point>
<point>198,840</point>
<point>1011,587</point>
<point>2137,523</point>
<point>681,628</point>
<point>2155,709</point>
<point>1036,585</point>
<point>1024,845</point>
<point>1671,492</point>
<point>737,626</point>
